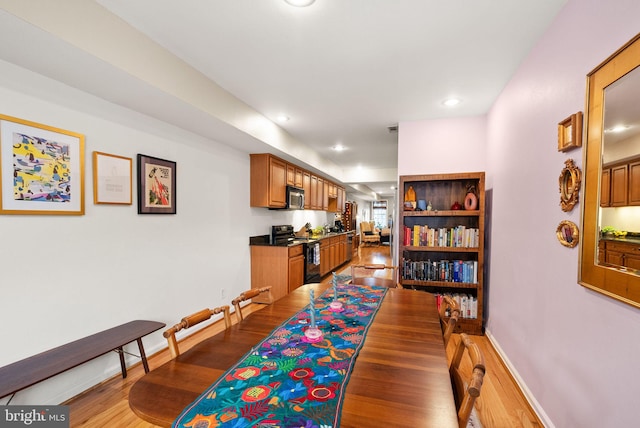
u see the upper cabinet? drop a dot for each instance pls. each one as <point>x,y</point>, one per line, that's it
<point>271,175</point>
<point>620,184</point>
<point>268,181</point>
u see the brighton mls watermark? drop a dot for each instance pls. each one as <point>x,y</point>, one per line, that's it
<point>34,416</point>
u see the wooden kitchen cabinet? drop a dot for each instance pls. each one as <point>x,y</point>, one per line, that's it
<point>333,253</point>
<point>619,185</point>
<point>634,183</point>
<point>605,188</point>
<point>296,271</point>
<point>294,176</point>
<point>621,253</point>
<point>268,181</point>
<point>313,196</point>
<point>271,175</point>
<point>306,185</point>
<point>282,268</point>
<point>325,195</point>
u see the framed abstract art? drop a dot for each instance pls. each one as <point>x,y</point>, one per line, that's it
<point>41,169</point>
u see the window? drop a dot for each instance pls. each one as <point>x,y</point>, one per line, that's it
<point>379,213</point>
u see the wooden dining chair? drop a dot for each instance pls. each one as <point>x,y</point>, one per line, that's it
<point>190,321</point>
<point>466,389</point>
<point>365,275</point>
<point>449,314</point>
<point>249,294</point>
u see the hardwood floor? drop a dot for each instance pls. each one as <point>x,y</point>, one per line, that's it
<point>501,403</point>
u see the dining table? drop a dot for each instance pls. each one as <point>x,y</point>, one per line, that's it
<point>400,377</point>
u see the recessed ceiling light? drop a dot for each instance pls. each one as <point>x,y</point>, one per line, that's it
<point>300,3</point>
<point>451,102</point>
<point>283,118</point>
<point>339,147</point>
<point>617,128</point>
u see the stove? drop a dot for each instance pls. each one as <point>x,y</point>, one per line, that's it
<point>282,235</point>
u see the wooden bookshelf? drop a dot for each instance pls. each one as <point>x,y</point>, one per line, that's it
<point>443,252</point>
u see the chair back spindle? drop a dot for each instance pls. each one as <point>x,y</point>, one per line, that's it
<point>466,389</point>
<point>246,295</point>
<point>190,321</point>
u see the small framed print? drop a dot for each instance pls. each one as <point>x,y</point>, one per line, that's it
<point>570,132</point>
<point>567,233</point>
<point>112,176</point>
<point>41,169</point>
<point>156,185</point>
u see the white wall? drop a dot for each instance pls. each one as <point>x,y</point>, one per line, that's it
<point>575,351</point>
<point>65,277</point>
<point>442,146</point>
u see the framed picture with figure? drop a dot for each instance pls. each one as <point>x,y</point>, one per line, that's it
<point>156,185</point>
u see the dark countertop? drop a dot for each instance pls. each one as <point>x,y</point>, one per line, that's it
<point>264,240</point>
<point>633,240</point>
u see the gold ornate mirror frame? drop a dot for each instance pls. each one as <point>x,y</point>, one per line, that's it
<point>570,179</point>
<point>613,282</point>
<point>568,234</point>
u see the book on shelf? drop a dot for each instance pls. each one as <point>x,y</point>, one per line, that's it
<point>425,236</point>
<point>467,303</point>
<point>463,271</point>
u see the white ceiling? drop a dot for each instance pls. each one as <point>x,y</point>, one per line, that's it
<point>342,70</point>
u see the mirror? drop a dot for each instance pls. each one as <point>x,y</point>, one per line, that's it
<point>610,263</point>
<point>569,181</point>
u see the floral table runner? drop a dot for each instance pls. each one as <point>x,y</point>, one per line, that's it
<point>287,381</point>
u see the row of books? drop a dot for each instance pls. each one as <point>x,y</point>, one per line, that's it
<point>467,303</point>
<point>425,236</point>
<point>442,270</point>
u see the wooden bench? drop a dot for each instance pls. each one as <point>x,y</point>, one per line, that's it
<point>31,370</point>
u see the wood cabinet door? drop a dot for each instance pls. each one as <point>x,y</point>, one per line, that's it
<point>632,261</point>
<point>291,175</point>
<point>324,259</point>
<point>325,195</point>
<point>306,185</point>
<point>634,183</point>
<point>341,199</point>
<point>619,186</point>
<point>615,258</point>
<point>298,181</point>
<point>277,183</point>
<point>296,272</point>
<point>605,188</point>
<point>601,252</point>
<point>314,192</point>
<point>333,260</point>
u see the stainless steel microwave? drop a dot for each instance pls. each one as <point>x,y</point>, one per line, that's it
<point>295,198</point>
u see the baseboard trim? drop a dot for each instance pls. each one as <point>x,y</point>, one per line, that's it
<point>528,395</point>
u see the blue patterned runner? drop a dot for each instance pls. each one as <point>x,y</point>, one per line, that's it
<point>286,381</point>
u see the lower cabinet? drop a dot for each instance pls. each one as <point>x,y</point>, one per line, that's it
<point>282,268</point>
<point>619,253</point>
<point>296,270</point>
<point>333,253</point>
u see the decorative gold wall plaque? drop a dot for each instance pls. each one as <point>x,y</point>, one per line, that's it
<point>570,132</point>
<point>570,179</point>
